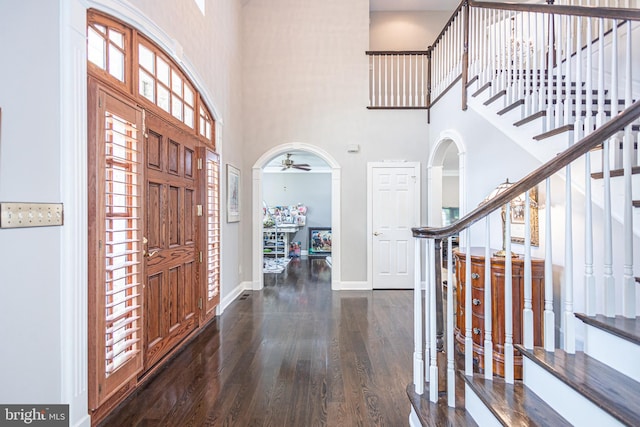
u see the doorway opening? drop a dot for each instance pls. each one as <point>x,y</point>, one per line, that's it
<point>296,199</point>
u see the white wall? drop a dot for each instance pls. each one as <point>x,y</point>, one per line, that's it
<point>306,81</point>
<point>414,30</point>
<point>311,189</point>
<point>30,332</point>
<point>450,197</point>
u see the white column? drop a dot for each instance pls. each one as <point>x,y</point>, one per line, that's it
<point>508,302</point>
<point>468,338</point>
<point>433,366</point>
<point>451,372</point>
<point>629,285</point>
<point>418,363</point>
<point>549,315</point>
<point>569,320</point>
<point>488,314</point>
<point>527,312</point>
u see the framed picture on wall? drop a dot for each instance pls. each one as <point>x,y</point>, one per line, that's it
<point>233,194</point>
<point>319,241</point>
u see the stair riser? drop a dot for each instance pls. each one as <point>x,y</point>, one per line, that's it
<point>478,410</point>
<point>620,354</point>
<point>574,407</point>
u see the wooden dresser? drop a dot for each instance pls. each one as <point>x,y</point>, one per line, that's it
<point>497,307</point>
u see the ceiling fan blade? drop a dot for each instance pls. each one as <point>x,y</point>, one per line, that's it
<point>302,167</point>
<point>284,169</point>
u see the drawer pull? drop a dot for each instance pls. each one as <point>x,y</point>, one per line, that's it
<point>476,331</point>
<point>476,301</point>
<point>475,276</point>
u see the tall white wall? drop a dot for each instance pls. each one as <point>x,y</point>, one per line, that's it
<point>30,172</point>
<point>306,81</point>
<point>402,30</point>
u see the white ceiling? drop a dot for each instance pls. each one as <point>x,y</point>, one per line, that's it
<point>392,5</point>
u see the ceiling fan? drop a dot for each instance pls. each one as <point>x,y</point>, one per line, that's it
<point>287,163</point>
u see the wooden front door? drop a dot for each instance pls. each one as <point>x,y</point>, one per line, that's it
<point>171,253</point>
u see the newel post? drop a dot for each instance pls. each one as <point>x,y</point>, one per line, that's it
<point>429,55</point>
<point>465,54</point>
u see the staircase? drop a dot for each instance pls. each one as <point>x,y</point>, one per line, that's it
<point>570,101</point>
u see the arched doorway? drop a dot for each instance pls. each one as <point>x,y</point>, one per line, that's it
<point>257,198</point>
<point>443,171</point>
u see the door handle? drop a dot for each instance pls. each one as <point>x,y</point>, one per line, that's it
<point>149,254</point>
<point>145,253</point>
<point>376,233</point>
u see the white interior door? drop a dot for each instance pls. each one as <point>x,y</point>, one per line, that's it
<point>394,207</point>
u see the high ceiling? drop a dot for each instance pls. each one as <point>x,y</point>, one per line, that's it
<point>392,5</point>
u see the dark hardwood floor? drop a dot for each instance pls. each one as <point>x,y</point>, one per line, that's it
<point>293,354</point>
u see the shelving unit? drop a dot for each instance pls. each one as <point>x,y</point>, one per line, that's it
<point>276,240</point>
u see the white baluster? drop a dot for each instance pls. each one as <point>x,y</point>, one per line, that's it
<point>535,87</point>
<point>568,77</point>
<point>608,280</point>
<point>528,88</point>
<point>557,121</point>
<point>521,60</point>
<point>386,81</point>
<point>392,82</point>
<point>629,285</point>
<point>600,115</point>
<point>433,369</point>
<point>589,278</point>
<point>418,362</point>
<point>509,59</point>
<point>400,77</point>
<point>404,80</point>
<point>508,302</point>
<point>589,119</point>
<point>579,123</point>
<point>427,310</point>
<point>468,339</point>
<point>451,372</point>
<point>569,320</point>
<point>615,158</point>
<point>488,314</point>
<point>549,74</point>
<point>527,312</point>
<point>380,100</point>
<point>549,315</point>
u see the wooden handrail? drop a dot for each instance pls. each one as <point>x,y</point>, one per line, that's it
<point>585,11</point>
<point>574,152</point>
<point>396,52</point>
<point>446,26</point>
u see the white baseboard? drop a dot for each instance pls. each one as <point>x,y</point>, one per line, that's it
<point>353,286</point>
<point>231,297</point>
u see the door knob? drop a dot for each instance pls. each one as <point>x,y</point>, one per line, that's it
<point>376,233</point>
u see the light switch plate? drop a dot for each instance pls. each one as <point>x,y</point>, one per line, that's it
<point>18,215</point>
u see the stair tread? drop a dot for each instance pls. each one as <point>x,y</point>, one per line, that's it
<point>610,390</point>
<point>479,91</point>
<point>511,107</point>
<point>530,118</point>
<point>514,404</point>
<point>628,329</point>
<point>553,132</point>
<point>635,170</point>
<point>438,414</point>
<point>495,97</point>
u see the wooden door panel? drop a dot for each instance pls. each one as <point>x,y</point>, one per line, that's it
<point>189,159</point>
<point>173,216</point>
<point>174,157</point>
<point>154,310</point>
<point>171,299</point>
<point>189,216</point>
<point>154,221</point>
<point>154,150</point>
